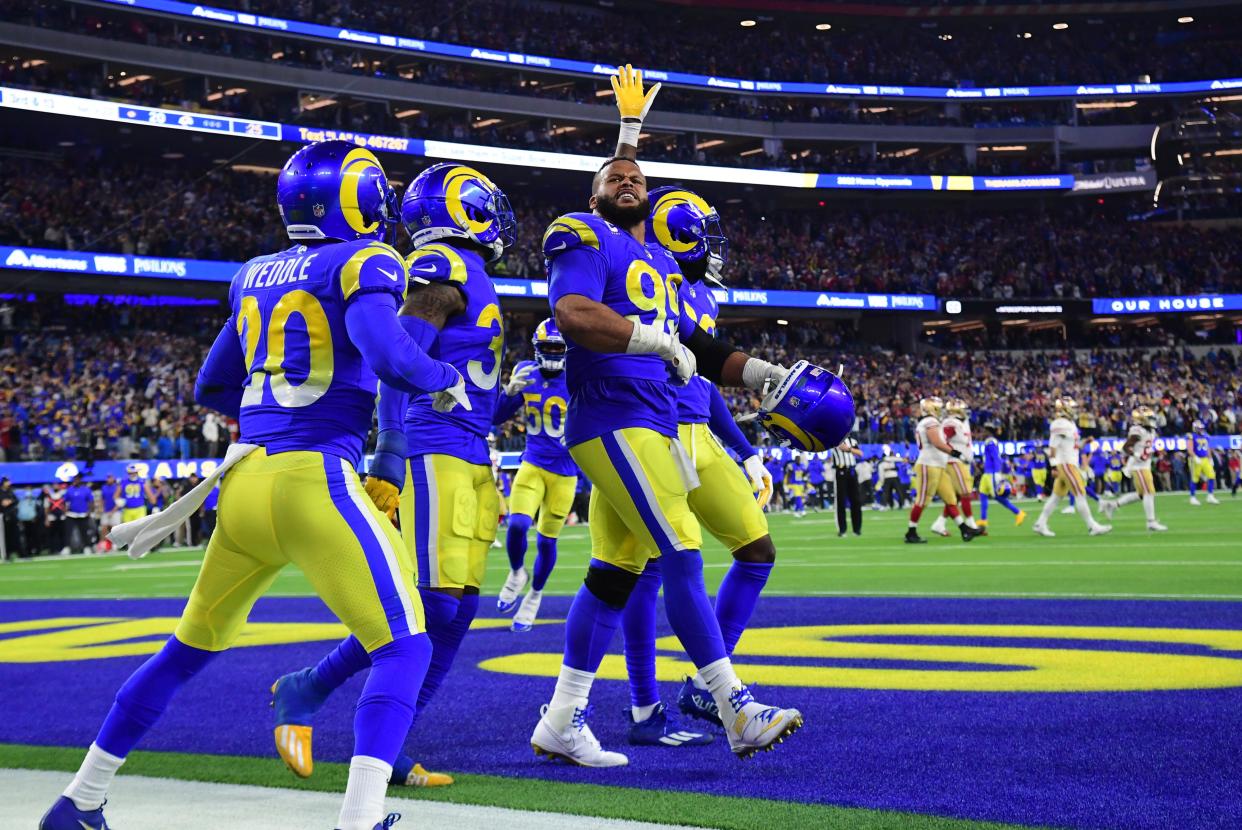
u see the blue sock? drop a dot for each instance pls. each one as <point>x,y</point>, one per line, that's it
<point>545,561</point>
<point>146,694</point>
<point>736,599</point>
<point>638,626</point>
<point>688,608</point>
<point>340,664</point>
<point>515,540</point>
<point>1091,493</point>
<point>1211,485</point>
<point>983,507</point>
<point>446,641</point>
<point>1005,502</point>
<point>798,503</point>
<point>386,705</point>
<point>589,627</point>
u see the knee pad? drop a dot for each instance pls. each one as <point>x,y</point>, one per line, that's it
<point>611,586</point>
<point>760,551</point>
<point>519,522</point>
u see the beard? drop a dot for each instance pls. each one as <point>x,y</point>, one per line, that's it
<point>624,217</point>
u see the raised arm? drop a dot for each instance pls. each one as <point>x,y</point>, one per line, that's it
<point>633,107</point>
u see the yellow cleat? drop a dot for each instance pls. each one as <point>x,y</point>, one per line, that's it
<point>1019,519</point>
<point>983,523</point>
<point>293,742</point>
<point>419,777</point>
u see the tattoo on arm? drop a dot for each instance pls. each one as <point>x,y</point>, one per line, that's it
<point>434,302</point>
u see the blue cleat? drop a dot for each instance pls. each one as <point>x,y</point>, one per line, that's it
<point>65,815</point>
<point>661,730</point>
<point>388,822</point>
<point>698,703</point>
<point>295,700</point>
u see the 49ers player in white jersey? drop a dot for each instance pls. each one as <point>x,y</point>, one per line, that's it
<point>934,453</point>
<point>1063,439</point>
<point>1137,452</point>
<point>956,430</point>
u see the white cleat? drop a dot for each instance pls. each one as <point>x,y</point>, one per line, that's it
<point>1108,507</point>
<point>507,600</point>
<point>1156,527</point>
<point>1194,501</point>
<point>1043,530</point>
<point>757,727</point>
<point>940,527</point>
<point>1068,510</point>
<point>1099,530</point>
<point>575,743</point>
<point>1211,499</point>
<point>524,619</point>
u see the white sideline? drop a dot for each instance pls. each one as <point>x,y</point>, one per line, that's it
<point>140,803</point>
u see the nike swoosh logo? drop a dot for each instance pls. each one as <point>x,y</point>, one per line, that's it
<point>430,270</point>
<point>560,247</point>
<point>86,826</point>
<point>391,275</point>
<point>770,727</point>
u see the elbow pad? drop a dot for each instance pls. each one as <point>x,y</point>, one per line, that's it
<point>710,354</point>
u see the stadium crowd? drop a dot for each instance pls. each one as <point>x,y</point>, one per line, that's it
<point>1072,249</point>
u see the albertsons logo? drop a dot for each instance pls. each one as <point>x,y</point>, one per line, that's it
<point>20,259</point>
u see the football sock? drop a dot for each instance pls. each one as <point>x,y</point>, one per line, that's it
<point>641,713</point>
<point>1091,494</point>
<point>589,627</point>
<point>146,694</point>
<point>363,807</point>
<point>573,688</point>
<point>1005,502</point>
<point>737,597</point>
<point>1084,510</point>
<point>1211,485</point>
<point>515,540</point>
<point>721,680</point>
<point>338,665</point>
<point>386,706</point>
<point>1049,505</point>
<point>446,640</point>
<point>965,503</point>
<point>638,626</point>
<point>1149,507</point>
<point>89,787</point>
<point>798,504</point>
<point>916,513</point>
<point>1128,498</point>
<point>545,561</point>
<point>983,507</point>
<point>688,608</point>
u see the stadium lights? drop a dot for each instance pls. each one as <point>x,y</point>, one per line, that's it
<point>1024,36</point>
<point>711,142</point>
<point>563,130</point>
<point>1105,105</point>
<point>823,27</point>
<point>319,103</point>
<point>753,152</point>
<point>277,55</point>
<point>480,122</point>
<point>782,322</point>
<point>406,113</point>
<point>133,79</point>
<point>31,64</point>
<point>1004,148</point>
<point>1186,19</point>
<point>600,93</point>
<point>237,90</point>
<point>746,24</point>
<point>173,156</point>
<point>1060,26</point>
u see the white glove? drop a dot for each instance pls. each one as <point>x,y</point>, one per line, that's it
<point>762,376</point>
<point>649,339</point>
<point>519,379</point>
<point>760,479</point>
<point>455,395</point>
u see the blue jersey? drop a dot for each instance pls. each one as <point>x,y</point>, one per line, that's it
<point>1199,445</point>
<point>993,464</point>
<point>307,386</point>
<point>795,474</point>
<point>80,499</point>
<point>694,399</point>
<point>472,342</point>
<point>1115,462</point>
<point>817,471</point>
<point>545,403</point>
<point>609,391</point>
<point>135,495</point>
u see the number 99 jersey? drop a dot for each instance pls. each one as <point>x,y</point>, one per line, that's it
<point>546,402</point>
<point>307,386</point>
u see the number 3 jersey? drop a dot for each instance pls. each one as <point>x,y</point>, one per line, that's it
<point>546,402</point>
<point>307,386</point>
<point>609,391</point>
<point>472,342</point>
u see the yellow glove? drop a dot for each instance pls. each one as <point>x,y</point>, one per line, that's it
<point>385,495</point>
<point>633,105</point>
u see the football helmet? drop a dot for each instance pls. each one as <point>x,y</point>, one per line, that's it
<point>957,408</point>
<point>549,346</point>
<point>688,228</point>
<point>932,406</point>
<point>811,409</point>
<point>449,200</point>
<point>1197,426</point>
<point>335,190</point>
<point>1065,407</point>
<point>1143,415</point>
<point>133,470</point>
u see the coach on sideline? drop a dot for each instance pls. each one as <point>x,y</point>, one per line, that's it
<point>844,458</point>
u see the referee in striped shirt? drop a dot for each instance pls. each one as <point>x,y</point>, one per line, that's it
<point>844,458</point>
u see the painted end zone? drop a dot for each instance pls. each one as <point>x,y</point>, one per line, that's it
<point>1084,714</point>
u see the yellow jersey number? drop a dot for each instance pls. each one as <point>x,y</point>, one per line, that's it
<point>269,370</point>
<point>548,419</point>
<point>649,291</point>
<point>489,318</point>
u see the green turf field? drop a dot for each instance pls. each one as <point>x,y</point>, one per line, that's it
<point>1200,558</point>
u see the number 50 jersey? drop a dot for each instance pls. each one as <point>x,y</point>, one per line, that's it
<point>546,401</point>
<point>307,386</point>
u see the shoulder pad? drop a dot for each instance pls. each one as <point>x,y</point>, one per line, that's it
<point>371,266</point>
<point>437,263</point>
<point>574,230</point>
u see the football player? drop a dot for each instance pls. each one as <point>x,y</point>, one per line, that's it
<point>432,468</point>
<point>1063,457</point>
<point>934,454</point>
<point>137,494</point>
<point>1137,452</point>
<point>795,484</point>
<point>546,479</point>
<point>1202,468</point>
<point>956,430</point>
<point>292,493</point>
<point>728,502</point>
<point>995,482</point>
<point>616,300</point>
